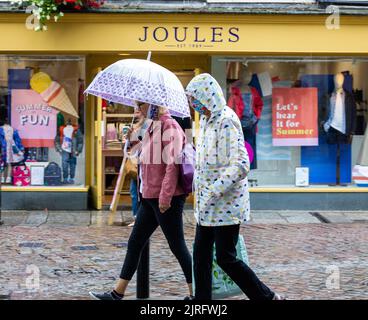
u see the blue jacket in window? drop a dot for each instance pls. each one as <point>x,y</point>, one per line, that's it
<point>3,145</point>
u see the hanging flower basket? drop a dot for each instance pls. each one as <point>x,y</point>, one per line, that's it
<point>45,10</point>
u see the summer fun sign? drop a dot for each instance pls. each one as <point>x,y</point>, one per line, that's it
<point>294,117</point>
<point>33,118</point>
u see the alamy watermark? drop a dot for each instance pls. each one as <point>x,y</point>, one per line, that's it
<point>165,147</point>
<point>333,20</point>
<point>333,278</point>
<point>33,21</point>
<point>32,282</point>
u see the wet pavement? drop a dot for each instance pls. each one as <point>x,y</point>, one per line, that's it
<point>63,255</point>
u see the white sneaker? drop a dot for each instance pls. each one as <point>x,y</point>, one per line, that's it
<point>8,180</point>
<point>2,179</point>
<point>278,297</point>
<point>131,224</point>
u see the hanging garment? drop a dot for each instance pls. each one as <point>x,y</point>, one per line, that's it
<point>250,135</point>
<point>237,103</point>
<point>344,124</point>
<point>241,103</point>
<point>248,119</point>
<point>11,145</point>
<point>338,116</point>
<point>249,125</point>
<point>76,144</point>
<point>67,139</point>
<point>60,120</point>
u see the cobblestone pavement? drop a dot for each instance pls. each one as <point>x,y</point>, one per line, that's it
<point>78,252</point>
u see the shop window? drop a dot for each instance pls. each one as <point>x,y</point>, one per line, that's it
<point>42,121</point>
<point>308,128</point>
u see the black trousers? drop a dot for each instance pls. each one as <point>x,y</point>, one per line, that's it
<point>147,220</point>
<point>226,238</point>
<point>336,137</point>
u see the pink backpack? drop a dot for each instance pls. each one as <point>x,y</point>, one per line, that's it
<point>21,176</point>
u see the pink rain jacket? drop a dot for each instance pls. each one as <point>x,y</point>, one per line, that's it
<point>161,147</point>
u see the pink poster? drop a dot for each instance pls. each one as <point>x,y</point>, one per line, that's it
<point>33,118</point>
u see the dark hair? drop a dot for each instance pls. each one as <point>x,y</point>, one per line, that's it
<point>185,123</point>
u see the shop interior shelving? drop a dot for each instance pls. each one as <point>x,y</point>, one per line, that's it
<point>112,156</point>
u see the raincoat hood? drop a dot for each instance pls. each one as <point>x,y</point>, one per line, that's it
<point>207,91</point>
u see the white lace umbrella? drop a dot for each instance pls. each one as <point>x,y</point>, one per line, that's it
<point>130,80</point>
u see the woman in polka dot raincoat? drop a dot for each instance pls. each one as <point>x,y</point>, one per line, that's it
<point>221,191</point>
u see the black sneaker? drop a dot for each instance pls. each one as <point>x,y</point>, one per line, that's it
<point>109,295</point>
<point>189,298</point>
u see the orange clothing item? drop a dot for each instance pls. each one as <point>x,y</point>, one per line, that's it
<point>61,132</point>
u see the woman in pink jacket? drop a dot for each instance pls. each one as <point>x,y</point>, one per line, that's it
<point>162,198</point>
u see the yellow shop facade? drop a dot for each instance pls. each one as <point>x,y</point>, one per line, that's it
<point>290,51</point>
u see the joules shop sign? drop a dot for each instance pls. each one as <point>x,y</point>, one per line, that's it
<point>175,35</point>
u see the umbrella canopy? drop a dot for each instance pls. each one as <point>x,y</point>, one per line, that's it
<point>130,80</point>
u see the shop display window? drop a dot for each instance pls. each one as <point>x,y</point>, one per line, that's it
<point>304,118</point>
<point>42,121</point>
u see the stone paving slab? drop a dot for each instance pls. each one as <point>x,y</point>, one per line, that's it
<point>82,218</point>
<point>357,216</point>
<point>101,218</point>
<point>268,215</point>
<point>268,221</point>
<point>14,218</point>
<point>36,218</point>
<point>302,219</point>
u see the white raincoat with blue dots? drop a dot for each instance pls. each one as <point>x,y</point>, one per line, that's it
<point>222,162</point>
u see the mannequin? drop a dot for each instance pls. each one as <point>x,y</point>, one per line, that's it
<point>340,125</point>
<point>69,143</point>
<point>12,150</point>
<point>247,104</point>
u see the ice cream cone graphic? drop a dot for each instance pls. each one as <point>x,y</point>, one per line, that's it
<point>53,93</point>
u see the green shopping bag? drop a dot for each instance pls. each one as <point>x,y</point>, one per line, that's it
<point>222,285</point>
